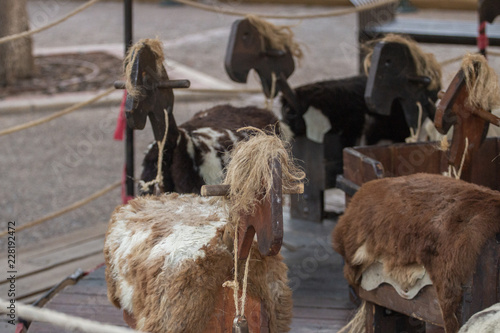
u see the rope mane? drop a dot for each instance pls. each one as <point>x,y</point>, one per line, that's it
<point>425,63</point>
<point>481,81</point>
<point>280,37</point>
<point>156,47</point>
<point>249,171</point>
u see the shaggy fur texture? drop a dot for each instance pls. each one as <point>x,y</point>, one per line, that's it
<point>342,101</point>
<point>167,258</point>
<point>198,150</point>
<point>419,220</point>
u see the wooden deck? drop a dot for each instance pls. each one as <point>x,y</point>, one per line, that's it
<point>321,302</point>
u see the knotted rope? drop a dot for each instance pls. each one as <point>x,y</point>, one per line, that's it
<point>48,26</point>
<point>66,209</point>
<point>452,170</point>
<point>159,173</point>
<point>331,13</point>
<point>270,100</point>
<point>414,135</point>
<point>55,115</point>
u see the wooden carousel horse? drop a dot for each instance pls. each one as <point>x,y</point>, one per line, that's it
<point>422,245</point>
<point>169,256</point>
<point>194,153</point>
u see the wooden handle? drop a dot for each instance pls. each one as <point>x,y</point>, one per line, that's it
<point>485,115</point>
<point>162,84</point>
<point>223,190</point>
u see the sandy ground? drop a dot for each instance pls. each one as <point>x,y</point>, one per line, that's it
<point>50,166</point>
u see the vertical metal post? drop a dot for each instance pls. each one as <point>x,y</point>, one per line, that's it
<point>129,132</point>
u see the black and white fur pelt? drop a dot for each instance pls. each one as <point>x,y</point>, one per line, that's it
<point>342,102</point>
<point>196,152</point>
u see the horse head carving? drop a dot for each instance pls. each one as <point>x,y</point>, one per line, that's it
<point>249,49</point>
<point>149,89</point>
<point>394,81</point>
<point>466,106</point>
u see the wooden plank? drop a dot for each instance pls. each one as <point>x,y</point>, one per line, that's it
<point>321,313</point>
<point>305,325</point>
<point>310,205</point>
<point>484,168</point>
<point>424,305</point>
<point>33,284</point>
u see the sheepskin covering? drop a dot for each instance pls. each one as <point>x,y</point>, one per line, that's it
<point>167,258</point>
<point>415,223</point>
<point>486,321</point>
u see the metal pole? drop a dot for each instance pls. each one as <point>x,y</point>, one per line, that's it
<point>129,132</point>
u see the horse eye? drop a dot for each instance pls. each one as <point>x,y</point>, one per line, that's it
<point>246,35</point>
<point>388,62</point>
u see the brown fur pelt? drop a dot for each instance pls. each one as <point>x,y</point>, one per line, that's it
<point>425,63</point>
<point>280,37</point>
<point>481,81</point>
<point>419,221</point>
<point>167,258</point>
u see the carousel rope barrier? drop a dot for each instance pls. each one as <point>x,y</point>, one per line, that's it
<point>331,13</point>
<point>48,26</point>
<point>66,209</point>
<point>53,116</point>
<point>67,322</point>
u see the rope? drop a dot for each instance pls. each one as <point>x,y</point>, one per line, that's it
<point>66,209</point>
<point>159,175</point>
<point>234,284</point>
<point>48,26</point>
<point>55,115</point>
<point>69,323</point>
<point>270,100</point>
<point>245,283</point>
<point>291,17</point>
<point>452,171</point>
<point>458,58</point>
<point>414,135</point>
<point>451,60</point>
<point>239,303</point>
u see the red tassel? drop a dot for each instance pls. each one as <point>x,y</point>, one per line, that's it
<point>121,122</point>
<point>482,38</point>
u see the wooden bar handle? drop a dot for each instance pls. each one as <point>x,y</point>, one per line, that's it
<point>162,84</point>
<point>223,190</point>
<point>485,115</point>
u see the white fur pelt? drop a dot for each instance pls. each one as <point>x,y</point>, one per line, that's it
<point>168,256</point>
<point>486,321</point>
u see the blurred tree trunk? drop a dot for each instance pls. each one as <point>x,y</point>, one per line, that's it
<point>16,57</point>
